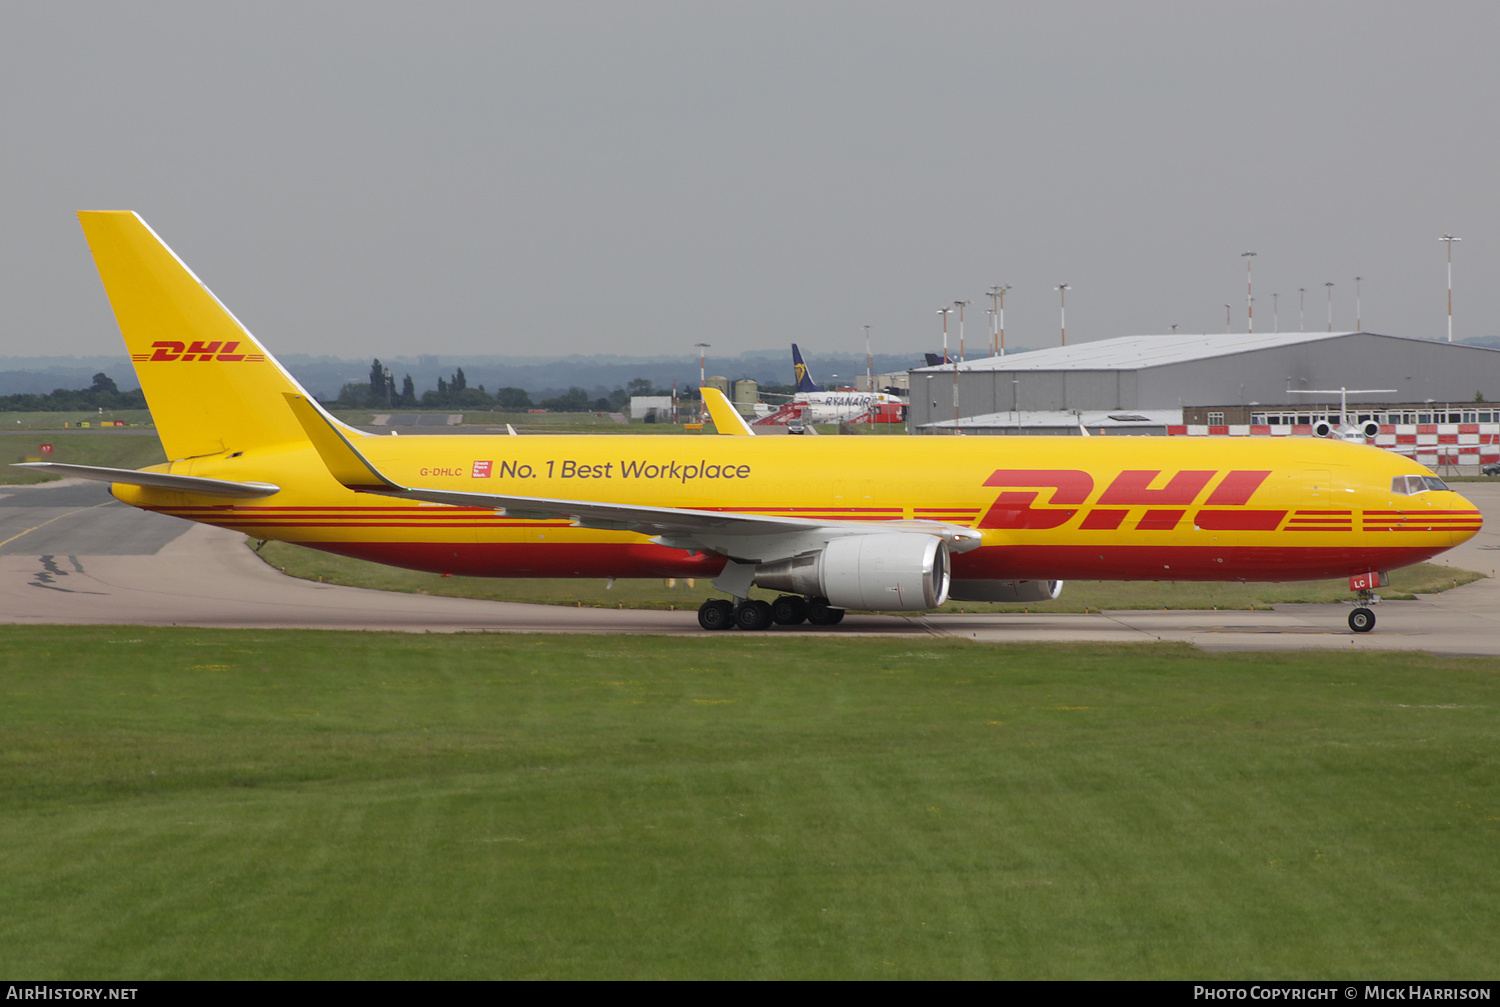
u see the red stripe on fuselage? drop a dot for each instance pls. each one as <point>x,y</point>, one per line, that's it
<point>532,559</point>
<point>1197,563</point>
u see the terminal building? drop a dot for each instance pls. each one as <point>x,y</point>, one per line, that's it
<point>1261,384</point>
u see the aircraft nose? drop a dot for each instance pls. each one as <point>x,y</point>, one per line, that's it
<point>1467,520</point>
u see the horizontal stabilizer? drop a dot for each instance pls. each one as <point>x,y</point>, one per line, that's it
<point>157,480</point>
<point>344,461</point>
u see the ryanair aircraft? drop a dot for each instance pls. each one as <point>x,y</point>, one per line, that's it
<point>883,524</point>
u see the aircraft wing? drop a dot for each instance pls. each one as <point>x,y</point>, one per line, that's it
<point>157,480</point>
<point>743,537</point>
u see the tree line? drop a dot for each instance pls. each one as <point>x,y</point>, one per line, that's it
<point>102,394</point>
<point>454,392</point>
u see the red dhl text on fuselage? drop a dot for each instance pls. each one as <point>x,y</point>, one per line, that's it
<point>1048,507</point>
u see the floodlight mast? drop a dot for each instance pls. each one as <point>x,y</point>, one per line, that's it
<point>945,312</point>
<point>1329,285</point>
<point>1359,325</point>
<point>1062,289</point>
<point>1450,239</point>
<point>869,363</point>
<point>961,305</point>
<point>1249,293</point>
<point>1275,312</point>
<point>702,349</point>
<point>1301,309</point>
<point>1228,325</point>
<point>997,339</point>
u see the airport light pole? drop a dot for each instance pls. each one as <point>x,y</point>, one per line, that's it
<point>702,349</point>
<point>961,305</point>
<point>1450,239</point>
<point>869,363</point>
<point>1062,308</point>
<point>997,295</point>
<point>1358,322</point>
<point>1275,312</point>
<point>1228,325</point>
<point>1249,293</point>
<point>945,312</point>
<point>1301,309</point>
<point>1329,285</point>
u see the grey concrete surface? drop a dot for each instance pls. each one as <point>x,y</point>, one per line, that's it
<point>70,554</point>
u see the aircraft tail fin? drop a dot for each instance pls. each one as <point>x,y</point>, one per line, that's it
<point>934,359</point>
<point>212,388</point>
<point>805,382</point>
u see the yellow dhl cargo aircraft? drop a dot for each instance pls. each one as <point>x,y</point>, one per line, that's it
<point>889,524</point>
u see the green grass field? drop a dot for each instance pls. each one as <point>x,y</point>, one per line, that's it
<point>1077,596</point>
<point>112,448</point>
<point>55,421</point>
<point>214,804</point>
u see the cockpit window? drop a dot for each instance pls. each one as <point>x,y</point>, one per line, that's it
<point>1416,484</point>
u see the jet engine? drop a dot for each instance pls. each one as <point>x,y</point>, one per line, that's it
<point>1005,590</point>
<point>885,573</point>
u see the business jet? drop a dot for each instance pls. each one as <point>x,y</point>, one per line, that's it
<point>831,523</point>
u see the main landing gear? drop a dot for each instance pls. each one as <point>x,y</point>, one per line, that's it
<point>787,610</point>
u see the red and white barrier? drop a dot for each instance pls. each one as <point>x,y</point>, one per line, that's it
<point>1430,444</point>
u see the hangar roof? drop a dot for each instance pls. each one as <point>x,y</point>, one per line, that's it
<point>1137,352</point>
<point>1096,419</point>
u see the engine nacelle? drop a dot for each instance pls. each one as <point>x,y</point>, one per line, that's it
<point>1005,590</point>
<point>1322,428</point>
<point>1370,429</point>
<point>884,573</point>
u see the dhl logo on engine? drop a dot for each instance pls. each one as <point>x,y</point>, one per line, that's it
<point>170,350</point>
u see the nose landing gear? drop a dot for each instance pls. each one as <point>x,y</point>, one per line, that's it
<point>1362,619</point>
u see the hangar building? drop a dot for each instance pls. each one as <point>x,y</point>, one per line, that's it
<point>1212,379</point>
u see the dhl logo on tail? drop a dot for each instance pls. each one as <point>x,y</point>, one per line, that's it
<point>170,350</point>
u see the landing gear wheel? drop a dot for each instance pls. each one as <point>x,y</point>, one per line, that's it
<point>819,613</point>
<point>753,615</point>
<point>789,610</point>
<point>716,613</point>
<point>1361,620</point>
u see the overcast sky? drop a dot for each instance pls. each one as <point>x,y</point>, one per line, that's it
<point>371,179</point>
